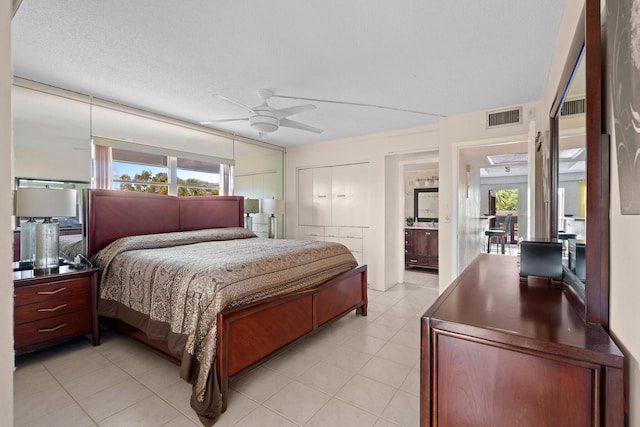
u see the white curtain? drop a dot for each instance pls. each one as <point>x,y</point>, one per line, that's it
<point>102,166</point>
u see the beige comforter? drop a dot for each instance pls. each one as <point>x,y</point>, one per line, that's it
<point>182,280</point>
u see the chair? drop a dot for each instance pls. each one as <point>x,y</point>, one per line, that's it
<point>500,233</point>
<point>564,237</point>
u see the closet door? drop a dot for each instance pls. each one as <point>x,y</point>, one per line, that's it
<point>305,196</point>
<point>359,190</point>
<point>350,195</point>
<point>322,196</point>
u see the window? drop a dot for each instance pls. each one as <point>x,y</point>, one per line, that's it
<point>197,178</point>
<point>135,171</point>
<point>164,174</point>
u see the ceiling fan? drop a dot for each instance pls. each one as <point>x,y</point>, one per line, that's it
<point>266,119</point>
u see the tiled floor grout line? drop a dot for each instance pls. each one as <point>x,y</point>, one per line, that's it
<point>386,342</point>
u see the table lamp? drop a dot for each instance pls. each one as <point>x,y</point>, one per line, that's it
<point>251,206</point>
<point>273,207</point>
<point>43,203</point>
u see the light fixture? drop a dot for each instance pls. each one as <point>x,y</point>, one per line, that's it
<point>264,121</point>
<point>43,203</point>
<point>251,206</point>
<point>273,207</point>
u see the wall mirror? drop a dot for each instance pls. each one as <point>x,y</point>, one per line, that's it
<point>425,204</point>
<point>52,135</point>
<point>580,167</point>
<point>572,190</point>
<point>53,131</point>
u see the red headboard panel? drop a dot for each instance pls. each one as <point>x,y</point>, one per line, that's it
<point>197,213</point>
<point>112,214</point>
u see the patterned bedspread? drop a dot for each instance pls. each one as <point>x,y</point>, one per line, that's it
<point>70,246</point>
<point>184,279</point>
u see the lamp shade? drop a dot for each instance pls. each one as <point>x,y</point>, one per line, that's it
<point>273,206</point>
<point>45,202</point>
<point>251,206</point>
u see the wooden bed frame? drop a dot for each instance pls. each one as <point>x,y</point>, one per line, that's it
<point>246,334</point>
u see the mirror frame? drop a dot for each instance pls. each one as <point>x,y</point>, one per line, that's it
<point>416,195</point>
<point>594,306</point>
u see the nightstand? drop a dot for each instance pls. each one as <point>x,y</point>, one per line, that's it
<point>54,306</point>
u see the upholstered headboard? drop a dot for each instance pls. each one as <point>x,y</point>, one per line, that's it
<point>112,214</point>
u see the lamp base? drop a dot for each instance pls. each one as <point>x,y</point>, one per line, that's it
<point>47,241</point>
<point>273,227</point>
<point>248,222</point>
<point>28,241</point>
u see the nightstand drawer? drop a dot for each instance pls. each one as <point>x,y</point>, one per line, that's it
<point>41,331</point>
<point>51,307</point>
<point>58,289</point>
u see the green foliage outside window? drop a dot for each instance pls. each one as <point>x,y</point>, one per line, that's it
<point>159,184</point>
<point>507,200</point>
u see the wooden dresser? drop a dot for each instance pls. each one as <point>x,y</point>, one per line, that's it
<point>497,352</point>
<point>55,306</point>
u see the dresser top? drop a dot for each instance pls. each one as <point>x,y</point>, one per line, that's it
<point>489,299</point>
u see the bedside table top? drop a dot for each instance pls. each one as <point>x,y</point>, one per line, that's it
<point>48,274</point>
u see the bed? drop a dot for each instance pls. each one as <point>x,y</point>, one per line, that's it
<point>231,326</point>
<point>70,246</point>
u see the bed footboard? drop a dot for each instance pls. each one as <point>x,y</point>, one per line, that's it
<point>249,333</point>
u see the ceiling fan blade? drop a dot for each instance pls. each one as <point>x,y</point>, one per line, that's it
<point>223,120</point>
<point>359,104</point>
<point>232,101</point>
<point>281,113</point>
<point>297,125</point>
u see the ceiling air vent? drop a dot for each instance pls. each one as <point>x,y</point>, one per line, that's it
<point>504,118</point>
<point>573,107</point>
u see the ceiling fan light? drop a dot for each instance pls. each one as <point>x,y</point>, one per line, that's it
<point>265,127</point>
<point>264,123</point>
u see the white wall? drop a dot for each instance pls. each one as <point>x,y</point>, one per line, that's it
<point>624,290</point>
<point>386,220</point>
<point>6,234</point>
<point>456,133</point>
<point>373,149</point>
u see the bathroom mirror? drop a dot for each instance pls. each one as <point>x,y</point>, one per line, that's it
<point>425,204</point>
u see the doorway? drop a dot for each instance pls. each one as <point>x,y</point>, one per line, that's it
<point>493,184</point>
<point>503,202</point>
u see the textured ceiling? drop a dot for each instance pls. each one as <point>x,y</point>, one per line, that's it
<point>169,57</point>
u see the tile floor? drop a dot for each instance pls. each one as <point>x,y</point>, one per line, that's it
<point>358,371</point>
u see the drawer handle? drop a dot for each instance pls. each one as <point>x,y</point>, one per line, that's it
<point>322,197</point>
<point>51,292</point>
<point>413,260</point>
<point>341,195</point>
<point>48,310</point>
<point>55,328</point>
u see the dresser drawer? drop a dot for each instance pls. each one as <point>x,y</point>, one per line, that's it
<point>58,289</point>
<point>51,307</point>
<point>52,328</point>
